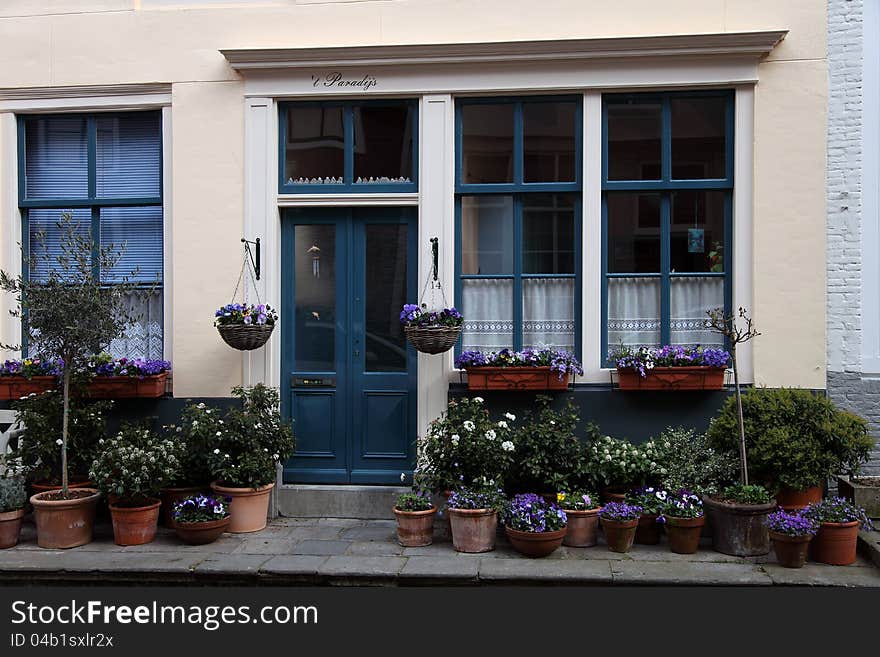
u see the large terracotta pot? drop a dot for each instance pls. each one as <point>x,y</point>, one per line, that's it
<point>10,528</point>
<point>201,533</point>
<point>648,530</point>
<point>619,535</point>
<point>684,534</point>
<point>65,524</point>
<point>170,496</point>
<point>535,544</point>
<point>583,528</point>
<point>791,500</point>
<point>473,530</point>
<point>791,551</point>
<point>249,507</point>
<point>135,525</point>
<point>75,482</point>
<point>739,529</point>
<point>415,528</point>
<point>836,543</point>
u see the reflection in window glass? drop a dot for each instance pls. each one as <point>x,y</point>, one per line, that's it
<point>633,232</point>
<point>383,144</point>
<point>314,252</point>
<point>697,231</point>
<point>385,284</point>
<point>634,140</point>
<point>698,128</point>
<point>487,143</point>
<point>315,148</point>
<point>548,234</point>
<point>549,141</point>
<point>486,235</point>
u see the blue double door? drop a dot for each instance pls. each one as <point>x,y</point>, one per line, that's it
<point>350,375</point>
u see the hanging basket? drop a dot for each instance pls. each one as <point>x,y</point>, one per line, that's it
<point>432,339</point>
<point>245,337</point>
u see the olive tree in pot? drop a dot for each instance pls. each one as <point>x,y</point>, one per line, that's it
<point>70,315</point>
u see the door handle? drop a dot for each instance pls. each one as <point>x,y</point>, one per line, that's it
<point>357,352</point>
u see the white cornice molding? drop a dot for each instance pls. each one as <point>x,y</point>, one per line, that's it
<point>84,91</point>
<point>85,97</point>
<point>745,44</point>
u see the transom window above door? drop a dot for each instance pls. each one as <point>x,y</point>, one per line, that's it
<point>349,146</point>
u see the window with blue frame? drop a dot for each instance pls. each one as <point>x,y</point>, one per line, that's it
<point>106,170</point>
<point>518,222</point>
<point>349,146</point>
<point>667,180</point>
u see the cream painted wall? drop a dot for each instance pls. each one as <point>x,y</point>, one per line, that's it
<point>118,41</point>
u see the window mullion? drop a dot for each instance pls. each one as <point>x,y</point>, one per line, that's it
<point>666,140</point>
<point>517,274</point>
<point>665,259</point>
<point>96,243</point>
<point>348,144</point>
<point>518,144</point>
<point>92,154</point>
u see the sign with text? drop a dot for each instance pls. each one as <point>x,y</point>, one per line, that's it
<point>337,80</point>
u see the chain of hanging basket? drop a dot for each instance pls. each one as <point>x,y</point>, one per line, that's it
<point>245,337</point>
<point>432,339</point>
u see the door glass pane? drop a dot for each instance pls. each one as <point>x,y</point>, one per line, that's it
<point>487,143</point>
<point>487,235</point>
<point>633,232</point>
<point>697,231</point>
<point>548,234</point>
<point>634,141</point>
<point>314,252</point>
<point>548,312</point>
<point>698,138</point>
<point>549,142</point>
<point>385,348</point>
<point>129,155</point>
<point>487,306</point>
<point>56,157</point>
<point>633,312</point>
<point>690,298</point>
<point>383,144</point>
<point>315,148</point>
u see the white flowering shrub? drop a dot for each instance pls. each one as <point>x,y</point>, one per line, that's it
<point>693,464</point>
<point>618,462</point>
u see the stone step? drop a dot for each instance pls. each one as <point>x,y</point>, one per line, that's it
<point>332,501</point>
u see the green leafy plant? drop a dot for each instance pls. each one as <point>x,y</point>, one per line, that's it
<point>481,495</point>
<point>617,462</point>
<point>417,500</point>
<point>13,494</point>
<point>577,500</point>
<point>681,504</point>
<point>194,436</point>
<point>692,463</point>
<point>650,499</point>
<point>794,438</point>
<point>746,494</point>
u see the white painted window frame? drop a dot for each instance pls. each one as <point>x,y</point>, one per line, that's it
<point>871,188</point>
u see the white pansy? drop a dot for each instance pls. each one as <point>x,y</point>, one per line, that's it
<point>502,424</point>
<point>490,434</point>
<point>479,400</point>
<point>455,440</point>
<point>553,422</point>
<point>468,425</point>
<point>59,441</point>
<point>218,433</point>
<point>201,405</point>
<point>507,446</point>
<point>510,416</point>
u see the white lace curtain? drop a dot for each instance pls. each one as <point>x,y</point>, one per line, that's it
<point>144,338</point>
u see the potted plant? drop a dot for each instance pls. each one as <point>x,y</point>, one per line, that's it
<point>201,519</point>
<point>619,466</point>
<point>582,510</point>
<point>130,469</point>
<point>738,515</point>
<point>431,332</point>
<point>70,313</point>
<point>19,378</point>
<point>13,497</point>
<point>415,518</point>
<point>253,440</point>
<point>837,538</point>
<point>534,527</point>
<point>682,514</point>
<point>529,369</point>
<point>619,521</point>
<point>652,501</point>
<point>690,462</point>
<point>791,534</point>
<point>861,491</point>
<point>126,377</point>
<point>671,367</point>
<point>473,517</point>
<point>245,326</point>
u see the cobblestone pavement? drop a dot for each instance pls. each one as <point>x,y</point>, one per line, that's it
<point>344,551</point>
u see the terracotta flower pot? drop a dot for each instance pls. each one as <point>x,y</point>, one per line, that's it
<point>10,528</point>
<point>473,530</point>
<point>791,551</point>
<point>583,528</point>
<point>619,535</point>
<point>739,529</point>
<point>648,530</point>
<point>415,528</point>
<point>249,507</point>
<point>836,543</point>
<point>135,525</point>
<point>684,534</point>
<point>65,523</point>
<point>535,544</point>
<point>75,482</point>
<point>201,533</point>
<point>791,500</point>
<point>170,496</point>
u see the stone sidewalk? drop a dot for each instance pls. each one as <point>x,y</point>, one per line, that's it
<point>356,552</point>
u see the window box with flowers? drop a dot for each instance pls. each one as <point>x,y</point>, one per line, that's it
<point>671,367</point>
<point>529,369</point>
<point>125,378</point>
<point>20,378</point>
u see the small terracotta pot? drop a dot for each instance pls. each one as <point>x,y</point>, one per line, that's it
<point>535,544</point>
<point>135,525</point>
<point>415,528</point>
<point>836,543</point>
<point>170,496</point>
<point>648,530</point>
<point>684,534</point>
<point>583,528</point>
<point>65,524</point>
<point>249,507</point>
<point>473,530</point>
<point>791,551</point>
<point>10,528</point>
<point>619,535</point>
<point>791,500</point>
<point>614,494</point>
<point>201,533</point>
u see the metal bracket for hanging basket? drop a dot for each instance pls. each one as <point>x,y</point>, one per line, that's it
<point>254,256</point>
<point>433,339</point>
